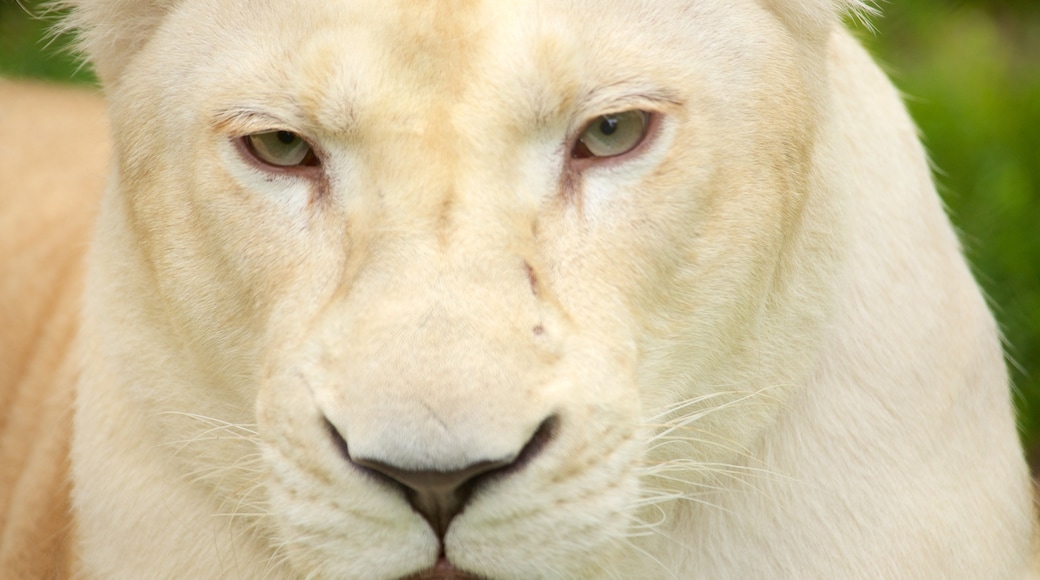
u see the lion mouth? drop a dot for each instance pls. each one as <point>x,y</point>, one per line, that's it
<point>443,570</point>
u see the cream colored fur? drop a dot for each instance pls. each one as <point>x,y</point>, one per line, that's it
<point>764,352</point>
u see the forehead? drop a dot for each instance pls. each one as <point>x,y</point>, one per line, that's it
<point>336,60</point>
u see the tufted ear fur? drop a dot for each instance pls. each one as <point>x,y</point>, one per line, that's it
<point>813,18</point>
<point>112,31</point>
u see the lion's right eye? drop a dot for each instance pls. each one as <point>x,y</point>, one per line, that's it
<point>612,135</point>
<point>281,149</point>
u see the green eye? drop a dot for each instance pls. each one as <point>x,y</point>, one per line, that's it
<point>281,149</point>
<point>612,135</point>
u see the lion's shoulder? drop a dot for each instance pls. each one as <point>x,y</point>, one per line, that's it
<point>53,159</point>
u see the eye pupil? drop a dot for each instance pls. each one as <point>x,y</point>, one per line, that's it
<point>286,137</point>
<point>608,125</point>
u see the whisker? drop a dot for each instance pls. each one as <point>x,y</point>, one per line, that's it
<point>686,403</point>
<point>249,428</point>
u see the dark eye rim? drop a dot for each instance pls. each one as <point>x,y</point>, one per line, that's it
<point>575,146</point>
<point>311,165</point>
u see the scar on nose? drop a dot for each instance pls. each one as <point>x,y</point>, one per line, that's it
<point>532,278</point>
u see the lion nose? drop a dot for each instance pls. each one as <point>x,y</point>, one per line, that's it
<point>440,495</point>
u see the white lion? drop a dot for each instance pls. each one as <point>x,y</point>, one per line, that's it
<point>500,289</point>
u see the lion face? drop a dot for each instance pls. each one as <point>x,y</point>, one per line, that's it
<point>451,282</point>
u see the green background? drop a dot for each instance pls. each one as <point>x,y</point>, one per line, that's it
<point>970,71</point>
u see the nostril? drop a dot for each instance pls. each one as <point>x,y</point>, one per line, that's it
<point>440,495</point>
<point>337,439</point>
<point>542,436</point>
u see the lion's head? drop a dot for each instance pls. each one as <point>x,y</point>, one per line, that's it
<point>497,287</point>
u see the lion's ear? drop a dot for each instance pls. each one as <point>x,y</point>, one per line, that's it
<point>112,31</point>
<point>810,18</point>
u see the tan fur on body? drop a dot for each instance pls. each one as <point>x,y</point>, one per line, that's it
<point>53,157</point>
<point>752,345</point>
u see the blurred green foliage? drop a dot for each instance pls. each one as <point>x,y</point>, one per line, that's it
<point>971,73</point>
<point>27,49</point>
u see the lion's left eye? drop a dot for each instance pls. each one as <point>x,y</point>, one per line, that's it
<point>612,135</point>
<point>280,149</point>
